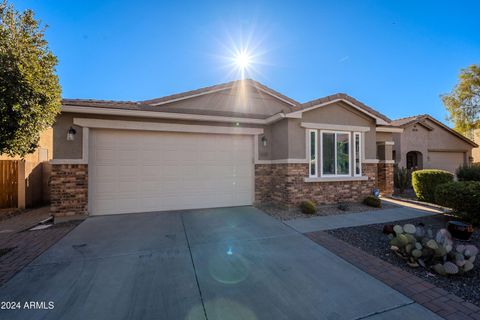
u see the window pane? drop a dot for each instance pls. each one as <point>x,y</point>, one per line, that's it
<point>358,169</point>
<point>342,153</point>
<point>313,153</point>
<point>328,150</point>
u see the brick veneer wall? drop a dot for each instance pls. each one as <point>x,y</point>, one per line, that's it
<point>69,189</point>
<point>284,184</point>
<point>385,178</point>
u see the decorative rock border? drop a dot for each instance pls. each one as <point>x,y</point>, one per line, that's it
<point>439,301</point>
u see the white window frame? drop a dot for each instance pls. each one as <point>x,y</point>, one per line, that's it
<point>335,154</point>
<point>309,145</point>
<point>355,134</point>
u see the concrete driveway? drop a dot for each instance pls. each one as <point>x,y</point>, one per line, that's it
<point>228,263</point>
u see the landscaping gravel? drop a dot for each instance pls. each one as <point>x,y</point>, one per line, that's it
<point>284,213</point>
<point>372,240</point>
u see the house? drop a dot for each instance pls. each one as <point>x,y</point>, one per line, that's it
<point>427,143</point>
<point>476,151</point>
<point>231,144</point>
<point>24,182</point>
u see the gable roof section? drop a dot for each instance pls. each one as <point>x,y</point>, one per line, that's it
<point>222,87</point>
<point>420,119</point>
<point>310,105</point>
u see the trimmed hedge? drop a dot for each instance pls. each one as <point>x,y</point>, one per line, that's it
<point>372,201</point>
<point>424,182</point>
<point>463,197</point>
<point>469,173</point>
<point>308,207</point>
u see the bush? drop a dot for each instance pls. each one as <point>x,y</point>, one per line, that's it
<point>463,197</point>
<point>469,173</point>
<point>425,181</point>
<point>372,201</point>
<point>308,207</point>
<point>402,178</point>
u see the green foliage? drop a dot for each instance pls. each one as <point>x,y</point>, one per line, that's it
<point>469,173</point>
<point>308,207</point>
<point>402,178</point>
<point>463,103</point>
<point>425,181</point>
<point>372,201</point>
<point>30,94</point>
<point>463,197</point>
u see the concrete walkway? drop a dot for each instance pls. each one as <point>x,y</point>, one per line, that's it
<point>24,220</point>
<point>227,263</point>
<point>355,219</point>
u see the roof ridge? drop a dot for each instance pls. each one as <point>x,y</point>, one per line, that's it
<point>101,101</point>
<point>219,87</point>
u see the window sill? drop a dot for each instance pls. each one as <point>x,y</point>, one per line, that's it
<point>335,179</point>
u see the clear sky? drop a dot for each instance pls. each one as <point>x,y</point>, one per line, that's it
<point>396,56</point>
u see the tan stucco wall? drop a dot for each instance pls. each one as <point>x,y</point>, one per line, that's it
<point>476,151</point>
<point>341,114</point>
<point>418,138</point>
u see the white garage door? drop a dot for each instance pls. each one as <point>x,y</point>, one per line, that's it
<point>140,171</point>
<point>448,161</point>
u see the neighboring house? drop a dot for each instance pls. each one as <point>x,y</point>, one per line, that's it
<point>476,151</point>
<point>426,143</point>
<point>227,145</point>
<point>24,182</point>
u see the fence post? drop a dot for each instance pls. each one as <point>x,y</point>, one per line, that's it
<point>21,184</point>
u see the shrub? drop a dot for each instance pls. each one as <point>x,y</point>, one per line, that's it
<point>308,207</point>
<point>402,178</point>
<point>372,201</point>
<point>469,173</point>
<point>463,197</point>
<point>425,181</point>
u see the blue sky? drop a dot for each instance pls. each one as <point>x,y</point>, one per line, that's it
<point>396,56</point>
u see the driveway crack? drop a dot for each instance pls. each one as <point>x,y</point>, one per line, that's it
<point>194,268</point>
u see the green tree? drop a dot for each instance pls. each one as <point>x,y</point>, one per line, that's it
<point>463,103</point>
<point>30,94</point>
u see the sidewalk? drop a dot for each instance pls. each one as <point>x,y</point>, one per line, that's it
<point>24,220</point>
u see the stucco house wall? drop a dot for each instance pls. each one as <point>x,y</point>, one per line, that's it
<point>280,162</point>
<point>427,140</point>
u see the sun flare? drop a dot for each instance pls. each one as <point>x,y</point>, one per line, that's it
<point>243,60</point>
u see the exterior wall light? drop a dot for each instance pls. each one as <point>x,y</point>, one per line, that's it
<point>71,134</point>
<point>264,141</point>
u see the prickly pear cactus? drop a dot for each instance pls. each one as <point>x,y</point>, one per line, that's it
<point>419,248</point>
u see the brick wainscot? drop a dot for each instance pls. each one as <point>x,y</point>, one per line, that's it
<point>285,184</point>
<point>69,189</point>
<point>385,178</point>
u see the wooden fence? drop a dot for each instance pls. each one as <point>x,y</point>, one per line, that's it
<point>8,183</point>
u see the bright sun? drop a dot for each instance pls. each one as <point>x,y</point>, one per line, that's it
<point>242,60</point>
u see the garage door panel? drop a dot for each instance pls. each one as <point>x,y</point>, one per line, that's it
<point>448,161</point>
<point>135,171</point>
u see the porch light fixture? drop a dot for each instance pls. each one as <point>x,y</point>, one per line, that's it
<point>71,134</point>
<point>264,141</point>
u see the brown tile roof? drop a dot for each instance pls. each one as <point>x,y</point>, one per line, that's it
<point>218,87</point>
<point>404,122</point>
<point>346,97</point>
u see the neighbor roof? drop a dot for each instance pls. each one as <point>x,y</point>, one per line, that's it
<point>404,122</point>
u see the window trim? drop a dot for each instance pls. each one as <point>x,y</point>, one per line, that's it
<point>309,133</point>
<point>322,175</point>
<point>359,134</point>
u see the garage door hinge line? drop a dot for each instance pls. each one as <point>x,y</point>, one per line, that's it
<point>194,269</point>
